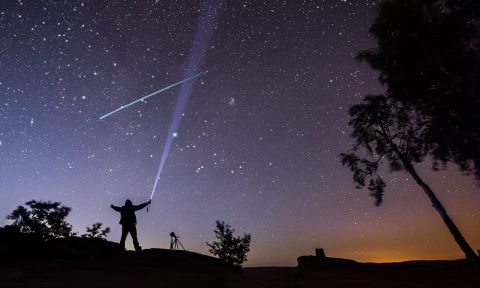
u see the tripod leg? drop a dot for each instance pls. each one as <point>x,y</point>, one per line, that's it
<point>181,245</point>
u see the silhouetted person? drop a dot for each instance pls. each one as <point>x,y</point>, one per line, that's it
<point>129,221</point>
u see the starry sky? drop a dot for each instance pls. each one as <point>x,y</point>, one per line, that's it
<point>258,142</point>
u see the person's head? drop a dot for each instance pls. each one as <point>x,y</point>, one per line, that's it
<point>128,203</point>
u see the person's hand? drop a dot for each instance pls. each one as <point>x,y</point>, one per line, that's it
<point>111,205</point>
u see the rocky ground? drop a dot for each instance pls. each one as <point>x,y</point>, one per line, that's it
<point>85,263</point>
<point>150,272</point>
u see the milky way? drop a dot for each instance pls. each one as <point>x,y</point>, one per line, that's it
<point>258,142</point>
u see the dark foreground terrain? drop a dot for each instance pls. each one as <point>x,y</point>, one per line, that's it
<point>121,274</point>
<point>85,263</point>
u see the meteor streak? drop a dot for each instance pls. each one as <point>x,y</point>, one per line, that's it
<point>152,94</point>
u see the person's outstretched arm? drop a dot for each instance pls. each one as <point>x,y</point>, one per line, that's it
<point>116,208</point>
<point>141,206</point>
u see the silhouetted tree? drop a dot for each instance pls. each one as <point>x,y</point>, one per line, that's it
<point>96,231</point>
<point>229,248</point>
<point>386,130</point>
<point>45,219</point>
<point>428,56</point>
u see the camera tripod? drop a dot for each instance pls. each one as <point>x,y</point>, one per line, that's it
<point>174,242</point>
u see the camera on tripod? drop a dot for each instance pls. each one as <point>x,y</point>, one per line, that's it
<point>174,242</point>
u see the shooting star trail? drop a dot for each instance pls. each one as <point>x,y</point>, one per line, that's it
<point>152,94</point>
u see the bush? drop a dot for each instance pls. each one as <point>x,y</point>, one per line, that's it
<point>45,219</point>
<point>96,231</point>
<point>231,249</point>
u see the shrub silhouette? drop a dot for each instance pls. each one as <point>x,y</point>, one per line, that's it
<point>96,231</point>
<point>231,249</point>
<point>44,219</point>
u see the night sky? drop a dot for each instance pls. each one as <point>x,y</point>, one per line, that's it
<point>258,143</point>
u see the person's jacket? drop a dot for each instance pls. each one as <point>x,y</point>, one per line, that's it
<point>127,213</point>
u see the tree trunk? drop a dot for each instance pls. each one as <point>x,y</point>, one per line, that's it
<point>469,253</point>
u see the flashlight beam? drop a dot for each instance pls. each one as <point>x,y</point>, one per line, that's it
<point>152,94</point>
<point>203,36</point>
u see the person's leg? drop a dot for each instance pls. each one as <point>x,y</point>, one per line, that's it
<point>124,236</point>
<point>133,232</point>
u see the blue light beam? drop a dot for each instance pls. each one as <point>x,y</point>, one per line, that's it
<point>152,94</point>
<point>202,38</point>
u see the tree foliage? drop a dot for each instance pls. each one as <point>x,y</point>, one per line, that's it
<point>428,56</point>
<point>45,219</point>
<point>229,248</point>
<point>96,231</point>
<point>388,131</point>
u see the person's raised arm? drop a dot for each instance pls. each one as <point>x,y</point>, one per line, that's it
<point>141,206</point>
<point>116,208</point>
